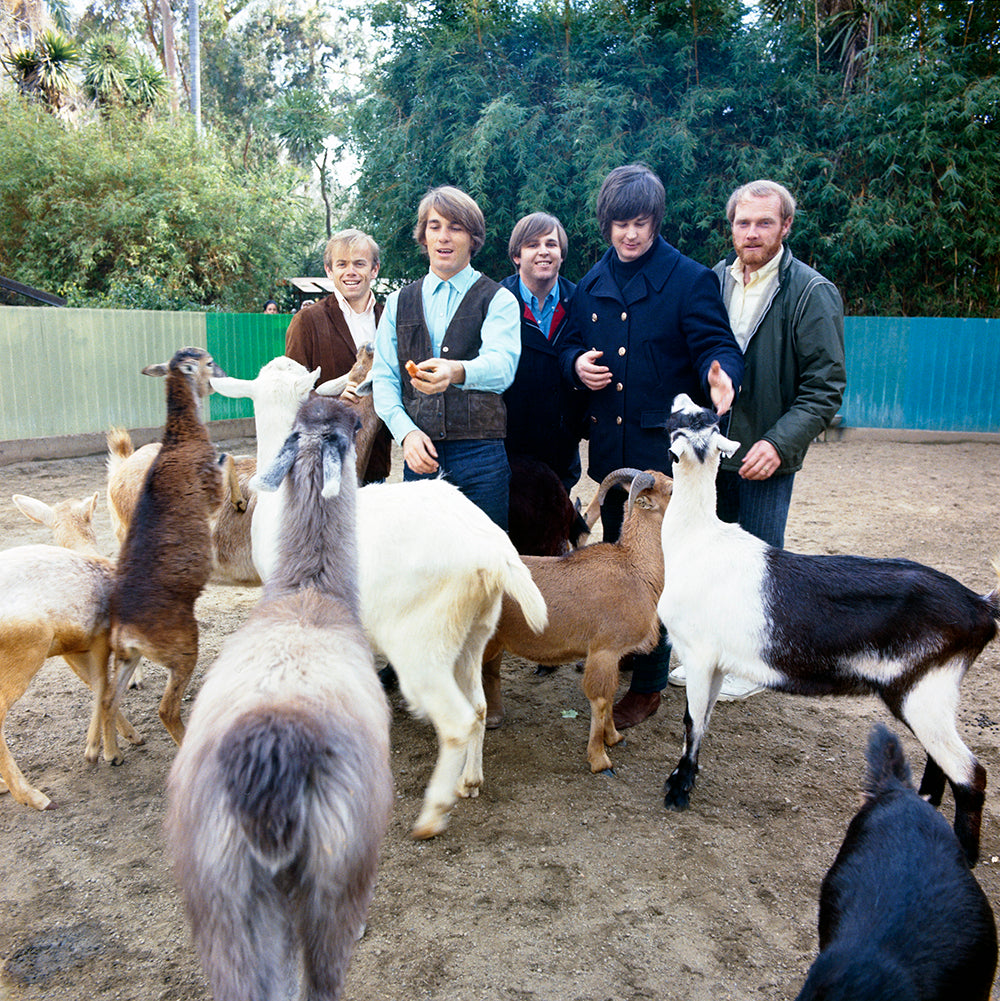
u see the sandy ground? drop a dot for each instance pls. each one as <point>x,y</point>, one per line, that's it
<point>555,884</point>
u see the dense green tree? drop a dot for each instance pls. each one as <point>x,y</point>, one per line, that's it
<point>130,213</point>
<point>882,117</point>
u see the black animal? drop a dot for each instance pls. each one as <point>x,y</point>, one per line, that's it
<point>901,917</point>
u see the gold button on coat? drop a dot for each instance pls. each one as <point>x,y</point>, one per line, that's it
<point>618,420</point>
<point>624,316</point>
<point>621,350</point>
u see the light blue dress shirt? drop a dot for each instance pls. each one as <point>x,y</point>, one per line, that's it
<point>542,313</point>
<point>491,371</point>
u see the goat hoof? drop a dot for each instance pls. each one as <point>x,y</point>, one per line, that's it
<point>494,722</point>
<point>49,805</point>
<point>609,771</point>
<point>677,799</point>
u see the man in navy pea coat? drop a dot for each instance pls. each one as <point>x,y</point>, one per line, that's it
<point>645,324</point>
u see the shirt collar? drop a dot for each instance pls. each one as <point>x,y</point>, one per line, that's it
<point>347,308</point>
<point>459,281</point>
<point>763,273</point>
<point>531,299</point>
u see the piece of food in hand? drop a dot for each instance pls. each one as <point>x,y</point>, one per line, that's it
<point>411,369</point>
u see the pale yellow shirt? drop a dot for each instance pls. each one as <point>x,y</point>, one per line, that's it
<point>749,301</point>
<point>361,325</point>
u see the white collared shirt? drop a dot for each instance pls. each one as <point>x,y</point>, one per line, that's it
<point>361,325</point>
<point>750,300</point>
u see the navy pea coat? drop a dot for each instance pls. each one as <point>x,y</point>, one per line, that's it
<point>660,335</point>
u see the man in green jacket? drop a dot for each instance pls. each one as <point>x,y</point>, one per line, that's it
<point>789,322</point>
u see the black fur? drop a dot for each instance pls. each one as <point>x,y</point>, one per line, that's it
<point>901,917</point>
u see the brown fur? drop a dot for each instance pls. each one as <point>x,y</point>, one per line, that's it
<point>230,524</point>
<point>55,603</point>
<point>601,601</point>
<point>166,558</point>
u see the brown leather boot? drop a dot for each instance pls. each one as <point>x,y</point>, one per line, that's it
<point>634,707</point>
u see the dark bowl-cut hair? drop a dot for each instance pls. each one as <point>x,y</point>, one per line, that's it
<point>627,193</point>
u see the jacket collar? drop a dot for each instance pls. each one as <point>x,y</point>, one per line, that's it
<point>648,281</point>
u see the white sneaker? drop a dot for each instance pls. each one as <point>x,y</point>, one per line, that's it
<point>737,689</point>
<point>733,689</point>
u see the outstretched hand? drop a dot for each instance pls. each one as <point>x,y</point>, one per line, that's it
<point>721,388</point>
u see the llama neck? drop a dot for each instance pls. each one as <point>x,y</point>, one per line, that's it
<point>183,409</point>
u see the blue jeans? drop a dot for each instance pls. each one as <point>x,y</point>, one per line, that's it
<point>479,468</point>
<point>760,507</point>
<point>649,670</point>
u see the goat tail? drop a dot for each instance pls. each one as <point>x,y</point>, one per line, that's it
<point>120,447</point>
<point>993,598</point>
<point>519,585</point>
<point>887,765</point>
<point>267,765</point>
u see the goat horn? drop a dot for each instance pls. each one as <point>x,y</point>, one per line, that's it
<point>613,479</point>
<point>641,481</point>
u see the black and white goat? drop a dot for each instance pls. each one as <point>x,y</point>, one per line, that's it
<point>814,625</point>
<point>900,915</point>
<point>281,793</point>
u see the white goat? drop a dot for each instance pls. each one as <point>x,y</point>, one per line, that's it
<point>433,570</point>
<point>54,602</point>
<point>281,793</point>
<point>814,625</point>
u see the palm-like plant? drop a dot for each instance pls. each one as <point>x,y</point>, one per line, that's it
<point>43,71</point>
<point>145,82</point>
<point>106,67</point>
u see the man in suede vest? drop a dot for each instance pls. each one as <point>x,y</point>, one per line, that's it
<point>446,349</point>
<point>327,334</point>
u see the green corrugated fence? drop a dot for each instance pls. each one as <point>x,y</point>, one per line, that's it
<point>77,371</point>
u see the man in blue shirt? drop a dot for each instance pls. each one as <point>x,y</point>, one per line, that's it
<point>446,348</point>
<point>544,412</point>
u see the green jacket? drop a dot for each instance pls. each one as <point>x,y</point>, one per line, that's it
<point>795,374</point>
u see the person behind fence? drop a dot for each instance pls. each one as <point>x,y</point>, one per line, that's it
<point>544,412</point>
<point>271,307</point>
<point>645,324</point>
<point>789,322</point>
<point>328,333</point>
<point>447,348</point>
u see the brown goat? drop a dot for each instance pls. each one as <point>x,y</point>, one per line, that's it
<point>602,605</point>
<point>166,558</point>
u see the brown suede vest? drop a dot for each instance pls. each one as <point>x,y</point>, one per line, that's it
<point>456,413</point>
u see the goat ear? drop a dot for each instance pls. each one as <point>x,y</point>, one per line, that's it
<point>36,510</point>
<point>234,388</point>
<point>332,387</point>
<point>89,506</point>
<point>364,388</point>
<point>306,382</point>
<point>727,446</point>
<point>271,478</point>
<point>159,370</point>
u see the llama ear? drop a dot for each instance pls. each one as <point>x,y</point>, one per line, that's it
<point>333,464</point>
<point>271,478</point>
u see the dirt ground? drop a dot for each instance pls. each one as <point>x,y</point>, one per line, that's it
<point>554,884</point>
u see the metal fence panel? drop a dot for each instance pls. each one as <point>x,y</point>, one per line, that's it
<point>75,371</point>
<point>922,373</point>
<point>241,343</point>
